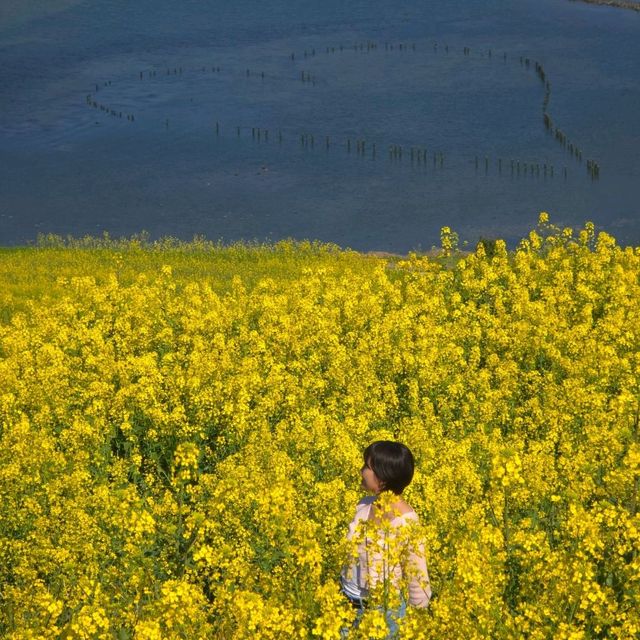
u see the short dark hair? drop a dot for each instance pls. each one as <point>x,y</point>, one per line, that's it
<point>392,462</point>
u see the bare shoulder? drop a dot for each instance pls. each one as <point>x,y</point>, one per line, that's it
<point>403,506</point>
<point>398,509</point>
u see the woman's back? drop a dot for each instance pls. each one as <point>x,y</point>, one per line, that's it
<point>387,551</point>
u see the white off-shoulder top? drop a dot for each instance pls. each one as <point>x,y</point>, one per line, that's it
<point>370,567</point>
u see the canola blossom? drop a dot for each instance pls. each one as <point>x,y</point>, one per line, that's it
<point>181,429</point>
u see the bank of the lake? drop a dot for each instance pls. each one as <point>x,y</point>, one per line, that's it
<point>620,4</point>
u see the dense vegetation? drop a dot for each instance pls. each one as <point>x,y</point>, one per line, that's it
<point>181,429</point>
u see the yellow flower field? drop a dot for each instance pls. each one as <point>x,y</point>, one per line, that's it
<point>182,427</point>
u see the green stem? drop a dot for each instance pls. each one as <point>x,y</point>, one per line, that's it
<point>505,520</point>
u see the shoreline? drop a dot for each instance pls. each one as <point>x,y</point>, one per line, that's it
<point>619,4</point>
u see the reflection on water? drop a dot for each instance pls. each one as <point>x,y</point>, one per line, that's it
<point>366,125</point>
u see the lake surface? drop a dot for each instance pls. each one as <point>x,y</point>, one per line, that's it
<point>181,119</point>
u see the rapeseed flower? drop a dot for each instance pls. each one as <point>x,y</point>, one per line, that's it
<point>181,430</point>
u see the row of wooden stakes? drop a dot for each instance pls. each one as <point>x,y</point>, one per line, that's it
<point>518,167</point>
<point>525,61</point>
<point>358,146</point>
<point>108,110</point>
<point>307,77</point>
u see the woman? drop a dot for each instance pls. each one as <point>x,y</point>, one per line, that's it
<point>388,567</point>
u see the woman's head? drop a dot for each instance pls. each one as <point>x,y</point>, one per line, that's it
<point>391,464</point>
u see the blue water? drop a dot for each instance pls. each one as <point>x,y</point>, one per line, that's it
<point>195,83</point>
